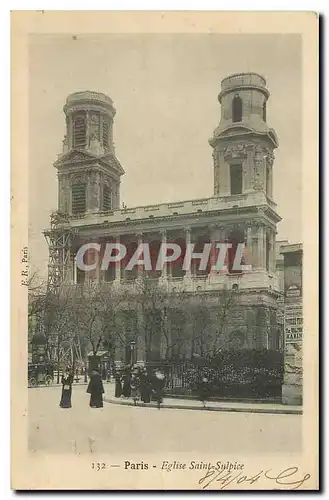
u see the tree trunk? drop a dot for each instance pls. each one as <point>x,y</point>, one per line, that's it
<point>58,358</point>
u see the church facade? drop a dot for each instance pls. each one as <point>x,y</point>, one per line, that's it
<point>241,209</point>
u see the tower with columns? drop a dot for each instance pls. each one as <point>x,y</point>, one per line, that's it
<point>243,153</point>
<point>240,210</point>
<point>88,170</point>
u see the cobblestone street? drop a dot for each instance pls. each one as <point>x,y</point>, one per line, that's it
<point>129,429</point>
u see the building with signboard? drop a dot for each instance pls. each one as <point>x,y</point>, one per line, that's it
<point>293,323</point>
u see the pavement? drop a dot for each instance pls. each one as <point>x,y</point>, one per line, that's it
<point>194,404</point>
<point>134,431</point>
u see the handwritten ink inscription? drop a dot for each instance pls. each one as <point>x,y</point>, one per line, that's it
<point>286,479</point>
<point>222,475</point>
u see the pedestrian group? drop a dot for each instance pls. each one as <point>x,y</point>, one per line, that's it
<point>133,382</point>
<point>95,389</point>
<point>139,384</point>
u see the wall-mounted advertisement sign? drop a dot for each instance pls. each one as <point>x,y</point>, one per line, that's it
<point>293,291</point>
<point>293,322</point>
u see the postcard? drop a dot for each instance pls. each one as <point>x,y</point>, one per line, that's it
<point>164,281</point>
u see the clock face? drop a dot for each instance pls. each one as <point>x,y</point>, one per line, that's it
<point>94,119</point>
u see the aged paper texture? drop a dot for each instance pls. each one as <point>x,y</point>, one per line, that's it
<point>164,251</point>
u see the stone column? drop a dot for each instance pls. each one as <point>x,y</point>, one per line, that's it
<point>215,156</point>
<point>164,242</point>
<point>89,259</point>
<point>213,251</point>
<point>93,192</point>
<point>98,265</point>
<point>269,163</point>
<point>217,235</point>
<point>140,269</point>
<point>260,243</point>
<point>87,129</point>
<point>75,271</point>
<point>249,168</point>
<point>273,253</point>
<point>264,246</point>
<point>188,273</point>
<point>249,252</point>
<point>70,131</point>
<point>111,135</point>
<point>118,264</point>
<point>101,118</point>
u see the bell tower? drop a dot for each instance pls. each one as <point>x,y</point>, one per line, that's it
<point>88,169</point>
<point>243,143</point>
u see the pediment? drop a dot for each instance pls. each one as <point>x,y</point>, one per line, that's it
<point>112,161</point>
<point>74,157</point>
<point>234,130</point>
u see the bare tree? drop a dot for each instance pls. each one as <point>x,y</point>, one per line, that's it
<point>96,306</point>
<point>150,301</point>
<point>59,325</point>
<point>162,318</point>
<point>227,301</point>
<point>201,324</point>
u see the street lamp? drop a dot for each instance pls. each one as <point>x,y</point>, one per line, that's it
<point>132,349</point>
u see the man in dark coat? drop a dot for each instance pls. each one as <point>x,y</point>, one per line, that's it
<point>118,385</point>
<point>158,386</point>
<point>145,387</point>
<point>67,381</point>
<point>96,390</point>
<point>126,390</point>
<point>204,390</point>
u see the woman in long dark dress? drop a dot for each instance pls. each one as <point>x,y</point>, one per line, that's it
<point>126,390</point>
<point>159,385</point>
<point>118,385</point>
<point>96,390</point>
<point>134,387</point>
<point>67,380</point>
<point>145,387</point>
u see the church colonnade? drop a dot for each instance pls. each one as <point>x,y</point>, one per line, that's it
<point>259,252</point>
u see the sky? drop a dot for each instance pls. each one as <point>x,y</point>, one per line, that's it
<point>164,89</point>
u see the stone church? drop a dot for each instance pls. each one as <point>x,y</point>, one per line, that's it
<point>241,209</point>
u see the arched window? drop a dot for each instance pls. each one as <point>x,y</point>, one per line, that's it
<point>79,132</point>
<point>236,178</point>
<point>237,109</point>
<point>264,111</point>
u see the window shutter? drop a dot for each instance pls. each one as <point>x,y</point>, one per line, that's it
<point>79,132</point>
<point>78,198</point>
<point>107,201</point>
